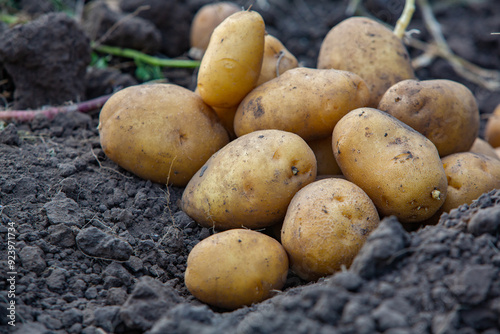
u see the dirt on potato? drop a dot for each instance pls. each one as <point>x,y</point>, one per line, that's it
<point>95,249</point>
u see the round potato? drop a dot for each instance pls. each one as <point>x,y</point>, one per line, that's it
<point>277,60</point>
<point>322,148</point>
<point>395,165</point>
<point>481,146</point>
<point>305,101</point>
<point>250,182</point>
<point>235,268</point>
<point>160,132</point>
<point>444,111</point>
<point>325,226</point>
<point>232,62</point>
<point>367,48</point>
<point>492,130</point>
<point>469,176</point>
<point>207,18</point>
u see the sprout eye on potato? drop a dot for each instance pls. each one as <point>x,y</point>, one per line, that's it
<point>160,132</point>
<point>250,181</point>
<point>236,268</point>
<point>444,111</point>
<point>396,166</point>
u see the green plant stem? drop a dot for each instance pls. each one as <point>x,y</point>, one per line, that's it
<point>137,55</point>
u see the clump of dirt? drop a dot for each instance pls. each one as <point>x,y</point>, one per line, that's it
<point>98,249</point>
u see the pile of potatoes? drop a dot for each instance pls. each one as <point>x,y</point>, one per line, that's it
<point>293,167</point>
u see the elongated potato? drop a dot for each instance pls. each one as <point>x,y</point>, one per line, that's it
<point>236,268</point>
<point>444,111</point>
<point>305,101</point>
<point>367,48</point>
<point>322,148</point>
<point>161,132</point>
<point>325,226</point>
<point>277,60</point>
<point>395,165</point>
<point>207,18</point>
<point>250,182</point>
<point>492,130</point>
<point>232,62</point>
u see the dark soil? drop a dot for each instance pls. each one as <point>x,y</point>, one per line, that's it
<point>99,250</point>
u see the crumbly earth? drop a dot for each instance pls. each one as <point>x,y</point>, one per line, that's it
<point>99,250</point>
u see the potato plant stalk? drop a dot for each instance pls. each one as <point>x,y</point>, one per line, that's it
<point>50,113</point>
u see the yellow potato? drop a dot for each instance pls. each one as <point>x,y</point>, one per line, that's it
<point>277,60</point>
<point>161,132</point>
<point>444,111</point>
<point>305,101</point>
<point>367,48</point>
<point>322,148</point>
<point>481,146</point>
<point>492,131</point>
<point>250,182</point>
<point>395,165</point>
<point>325,226</point>
<point>469,176</point>
<point>235,268</point>
<point>207,18</point>
<point>232,62</point>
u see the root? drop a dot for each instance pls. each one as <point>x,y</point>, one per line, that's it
<point>405,19</point>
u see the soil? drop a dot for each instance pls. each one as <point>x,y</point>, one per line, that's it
<point>99,250</point>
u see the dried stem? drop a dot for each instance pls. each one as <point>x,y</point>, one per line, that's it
<point>405,18</point>
<point>50,113</point>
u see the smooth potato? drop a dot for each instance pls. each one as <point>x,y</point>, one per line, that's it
<point>325,226</point>
<point>305,101</point>
<point>444,111</point>
<point>277,60</point>
<point>481,146</point>
<point>235,268</point>
<point>206,19</point>
<point>492,130</point>
<point>395,165</point>
<point>367,48</point>
<point>250,182</point>
<point>161,132</point>
<point>469,176</point>
<point>232,62</point>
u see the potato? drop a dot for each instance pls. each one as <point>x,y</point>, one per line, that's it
<point>160,132</point>
<point>469,176</point>
<point>492,130</point>
<point>235,268</point>
<point>226,117</point>
<point>481,146</point>
<point>207,18</point>
<point>325,226</point>
<point>232,62</point>
<point>250,182</point>
<point>395,165</point>
<point>277,60</point>
<point>322,148</point>
<point>444,111</point>
<point>367,48</point>
<point>305,101</point>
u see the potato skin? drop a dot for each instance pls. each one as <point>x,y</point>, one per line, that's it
<point>469,176</point>
<point>481,146</point>
<point>305,101</point>
<point>206,19</point>
<point>322,148</point>
<point>250,182</point>
<point>444,111</point>
<point>367,48</point>
<point>160,132</point>
<point>235,268</point>
<point>326,224</point>
<point>395,165</point>
<point>492,130</point>
<point>275,56</point>
<point>232,62</point>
